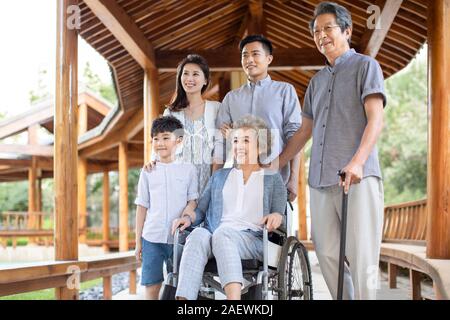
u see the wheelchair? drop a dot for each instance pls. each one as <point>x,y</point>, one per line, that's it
<point>284,273</point>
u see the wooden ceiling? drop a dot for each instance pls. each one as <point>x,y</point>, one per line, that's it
<point>136,34</point>
<point>173,28</point>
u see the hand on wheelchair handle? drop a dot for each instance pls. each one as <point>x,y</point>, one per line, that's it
<point>184,222</point>
<point>272,221</point>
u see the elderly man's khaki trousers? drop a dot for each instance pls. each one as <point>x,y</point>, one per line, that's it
<point>364,233</point>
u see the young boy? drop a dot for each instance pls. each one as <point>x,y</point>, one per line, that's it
<point>166,193</point>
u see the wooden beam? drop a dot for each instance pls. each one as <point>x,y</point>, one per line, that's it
<point>105,210</point>
<point>372,40</point>
<point>151,108</point>
<point>29,150</point>
<point>82,199</point>
<point>65,123</point>
<point>133,126</point>
<point>301,200</point>
<point>228,59</point>
<point>438,205</point>
<point>94,103</point>
<point>256,23</point>
<point>21,123</point>
<point>123,197</point>
<point>121,25</point>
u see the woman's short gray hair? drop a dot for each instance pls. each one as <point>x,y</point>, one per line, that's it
<point>263,133</point>
<point>343,16</point>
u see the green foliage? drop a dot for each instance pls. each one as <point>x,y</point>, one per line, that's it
<point>95,198</point>
<point>14,196</point>
<point>94,83</point>
<point>403,143</point>
<point>41,92</point>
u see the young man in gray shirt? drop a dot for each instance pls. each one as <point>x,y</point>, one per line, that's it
<point>343,111</point>
<point>275,102</point>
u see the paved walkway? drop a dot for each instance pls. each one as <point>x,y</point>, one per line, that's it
<point>320,288</point>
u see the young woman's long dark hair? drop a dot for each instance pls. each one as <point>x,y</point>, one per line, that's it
<point>180,101</point>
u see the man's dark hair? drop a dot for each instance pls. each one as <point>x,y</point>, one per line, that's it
<point>267,45</point>
<point>343,16</point>
<point>167,124</point>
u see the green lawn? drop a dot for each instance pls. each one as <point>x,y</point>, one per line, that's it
<point>48,294</point>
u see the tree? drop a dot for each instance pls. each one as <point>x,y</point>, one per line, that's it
<point>41,92</point>
<point>94,83</point>
<point>403,143</point>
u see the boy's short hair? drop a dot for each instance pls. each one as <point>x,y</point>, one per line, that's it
<point>167,124</point>
<point>267,45</point>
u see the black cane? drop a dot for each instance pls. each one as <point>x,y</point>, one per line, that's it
<point>343,240</point>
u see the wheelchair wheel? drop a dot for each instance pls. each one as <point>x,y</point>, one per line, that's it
<point>294,272</point>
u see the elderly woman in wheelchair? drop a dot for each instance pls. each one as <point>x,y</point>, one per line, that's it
<point>236,206</point>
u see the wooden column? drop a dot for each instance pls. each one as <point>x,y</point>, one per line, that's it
<point>65,146</point>
<point>32,181</point>
<point>438,235</point>
<point>238,78</point>
<point>32,194</point>
<point>301,200</point>
<point>107,288</point>
<point>151,108</point>
<point>82,199</point>
<point>123,197</point>
<point>224,85</point>
<point>415,283</point>
<point>39,199</point>
<point>39,192</point>
<point>82,118</point>
<point>392,275</point>
<point>82,176</point>
<point>105,219</point>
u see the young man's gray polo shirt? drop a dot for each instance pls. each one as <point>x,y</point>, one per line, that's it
<point>334,101</point>
<point>275,102</point>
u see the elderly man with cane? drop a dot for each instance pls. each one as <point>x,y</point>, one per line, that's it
<point>343,112</point>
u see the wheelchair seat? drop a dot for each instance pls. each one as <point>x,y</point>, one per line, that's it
<point>248,265</point>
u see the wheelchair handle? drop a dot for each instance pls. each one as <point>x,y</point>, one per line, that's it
<point>265,261</point>
<point>175,250</point>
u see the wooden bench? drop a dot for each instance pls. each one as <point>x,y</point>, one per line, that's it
<point>404,245</point>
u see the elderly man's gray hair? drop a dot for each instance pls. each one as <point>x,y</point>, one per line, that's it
<point>343,16</point>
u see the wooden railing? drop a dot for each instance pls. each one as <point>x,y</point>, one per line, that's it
<point>406,223</point>
<point>54,274</point>
<point>18,220</point>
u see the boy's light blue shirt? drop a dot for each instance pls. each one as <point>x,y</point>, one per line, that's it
<point>165,192</point>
